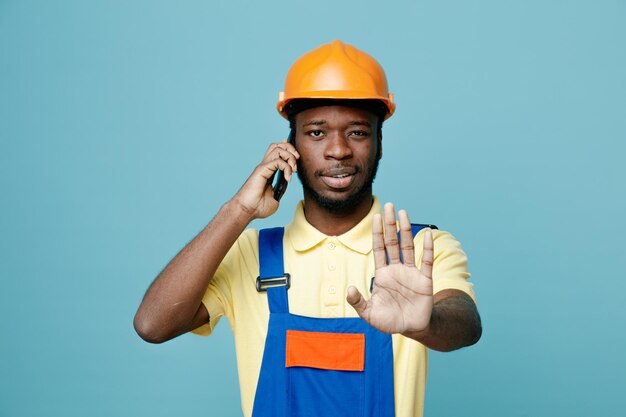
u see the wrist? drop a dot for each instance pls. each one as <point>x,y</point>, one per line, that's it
<point>426,333</point>
<point>238,211</point>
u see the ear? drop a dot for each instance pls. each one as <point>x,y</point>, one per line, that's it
<point>379,152</point>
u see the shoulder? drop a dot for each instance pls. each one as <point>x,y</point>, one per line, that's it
<point>243,253</point>
<point>450,268</point>
<point>247,243</point>
<point>449,255</point>
<point>442,239</point>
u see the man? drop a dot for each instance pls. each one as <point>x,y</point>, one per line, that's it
<point>294,297</point>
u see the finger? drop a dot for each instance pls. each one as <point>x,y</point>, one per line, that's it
<point>428,255</point>
<point>391,235</point>
<point>406,239</point>
<point>356,300</point>
<point>284,146</point>
<point>289,147</point>
<point>291,158</point>
<point>288,172</point>
<point>378,244</point>
<point>269,168</point>
<point>285,155</point>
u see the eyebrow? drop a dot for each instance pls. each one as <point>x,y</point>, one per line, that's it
<point>319,122</point>
<point>360,123</point>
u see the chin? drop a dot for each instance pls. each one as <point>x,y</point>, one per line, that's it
<point>337,203</point>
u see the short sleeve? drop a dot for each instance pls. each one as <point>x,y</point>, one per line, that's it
<point>450,263</point>
<point>216,300</point>
<point>237,265</point>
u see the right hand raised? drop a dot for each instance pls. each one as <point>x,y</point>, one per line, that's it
<point>256,196</point>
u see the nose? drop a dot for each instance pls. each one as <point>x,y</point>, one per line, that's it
<point>337,147</point>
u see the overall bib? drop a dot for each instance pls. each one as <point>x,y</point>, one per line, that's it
<point>331,367</point>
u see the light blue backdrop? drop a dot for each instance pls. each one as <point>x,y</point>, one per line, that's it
<point>125,125</point>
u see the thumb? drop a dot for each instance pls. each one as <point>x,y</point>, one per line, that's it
<point>356,300</point>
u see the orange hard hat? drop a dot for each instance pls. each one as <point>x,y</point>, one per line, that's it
<point>336,71</point>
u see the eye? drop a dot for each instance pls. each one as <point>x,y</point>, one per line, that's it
<point>315,133</point>
<point>360,133</point>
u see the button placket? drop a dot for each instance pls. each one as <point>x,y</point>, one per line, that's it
<point>330,285</point>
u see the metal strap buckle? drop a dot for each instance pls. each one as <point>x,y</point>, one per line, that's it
<point>265,283</point>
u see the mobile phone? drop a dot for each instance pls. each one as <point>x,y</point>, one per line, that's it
<point>281,183</point>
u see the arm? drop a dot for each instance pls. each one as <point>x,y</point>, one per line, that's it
<point>402,300</point>
<point>454,322</point>
<point>173,303</point>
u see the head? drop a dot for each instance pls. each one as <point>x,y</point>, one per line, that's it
<point>336,99</point>
<point>340,144</point>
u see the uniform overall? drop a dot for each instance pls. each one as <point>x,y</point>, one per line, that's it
<point>331,367</point>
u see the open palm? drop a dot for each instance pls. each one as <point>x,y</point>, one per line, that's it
<point>402,296</point>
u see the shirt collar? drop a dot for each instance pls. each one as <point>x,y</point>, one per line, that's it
<point>303,236</point>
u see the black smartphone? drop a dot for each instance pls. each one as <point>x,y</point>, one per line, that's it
<point>281,183</point>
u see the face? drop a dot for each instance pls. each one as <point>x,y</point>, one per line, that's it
<point>339,152</point>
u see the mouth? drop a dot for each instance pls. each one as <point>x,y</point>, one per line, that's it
<point>338,178</point>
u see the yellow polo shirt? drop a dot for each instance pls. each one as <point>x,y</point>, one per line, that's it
<point>322,268</point>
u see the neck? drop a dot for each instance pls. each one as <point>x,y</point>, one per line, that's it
<point>334,222</point>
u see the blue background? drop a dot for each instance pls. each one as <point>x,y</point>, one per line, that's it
<point>125,125</point>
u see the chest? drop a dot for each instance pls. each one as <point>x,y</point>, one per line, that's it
<point>320,279</point>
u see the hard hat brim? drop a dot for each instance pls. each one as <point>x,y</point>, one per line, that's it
<point>338,95</point>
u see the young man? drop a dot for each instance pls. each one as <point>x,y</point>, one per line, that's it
<point>309,342</point>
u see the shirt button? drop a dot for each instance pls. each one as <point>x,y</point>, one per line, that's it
<point>332,290</point>
<point>331,245</point>
<point>332,267</point>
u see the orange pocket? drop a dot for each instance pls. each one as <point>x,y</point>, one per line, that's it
<point>335,351</point>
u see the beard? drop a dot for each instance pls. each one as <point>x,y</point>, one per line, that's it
<point>339,205</point>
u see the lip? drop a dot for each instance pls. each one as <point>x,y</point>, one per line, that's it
<point>338,183</point>
<point>338,178</point>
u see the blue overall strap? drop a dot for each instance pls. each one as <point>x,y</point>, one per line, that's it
<point>271,267</point>
<point>415,228</point>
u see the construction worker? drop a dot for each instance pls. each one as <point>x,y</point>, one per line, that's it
<point>333,314</point>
